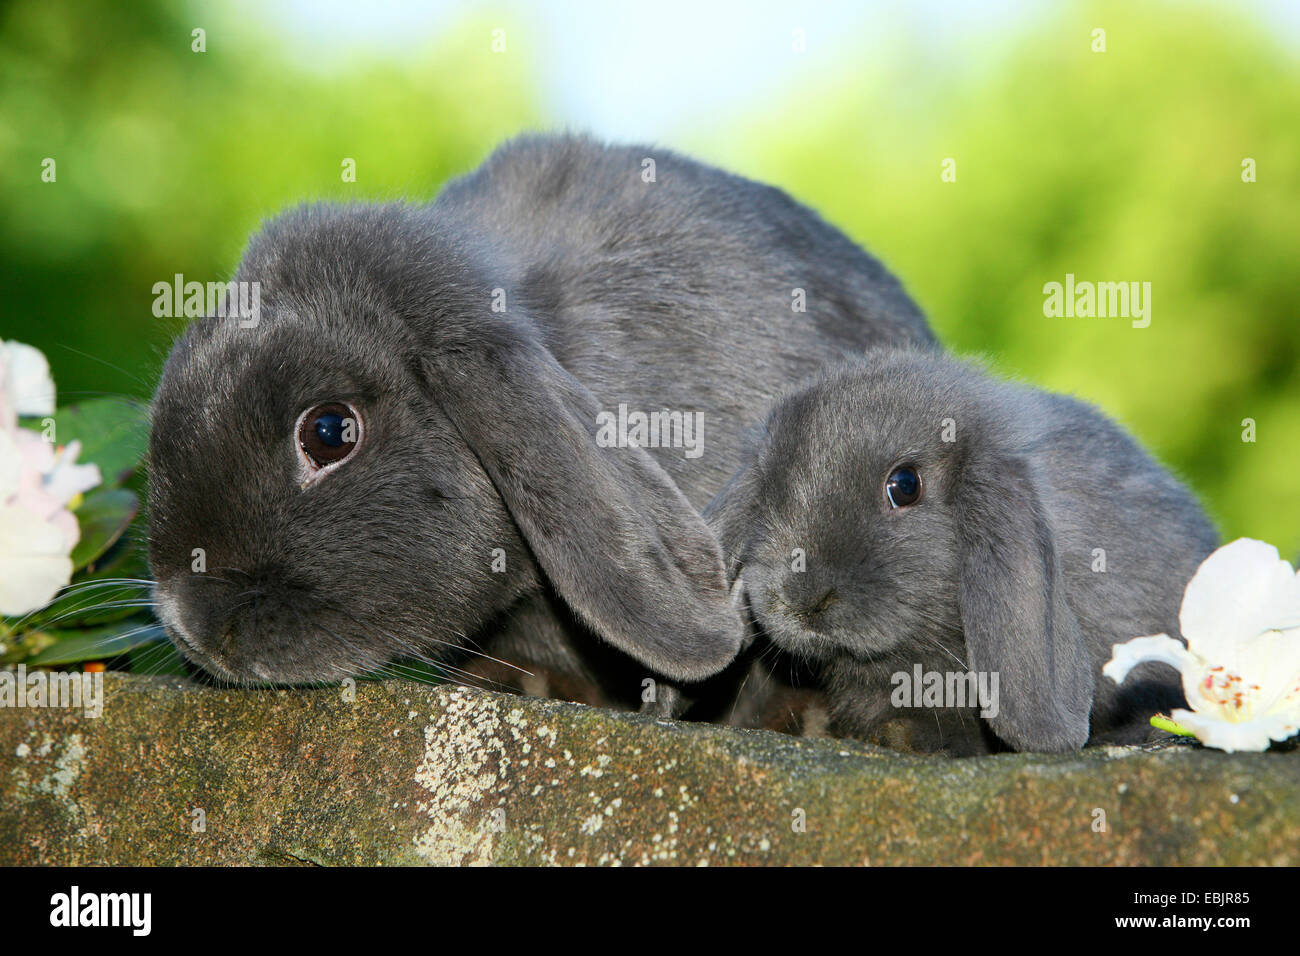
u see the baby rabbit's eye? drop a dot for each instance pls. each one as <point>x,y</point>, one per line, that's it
<point>328,433</point>
<point>903,487</point>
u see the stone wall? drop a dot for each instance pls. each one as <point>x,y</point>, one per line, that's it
<point>406,773</point>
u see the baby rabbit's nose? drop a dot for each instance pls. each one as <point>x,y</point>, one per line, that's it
<point>822,603</point>
<point>808,601</point>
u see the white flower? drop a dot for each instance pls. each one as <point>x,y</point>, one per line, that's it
<point>1241,666</point>
<point>37,483</point>
<point>26,387</point>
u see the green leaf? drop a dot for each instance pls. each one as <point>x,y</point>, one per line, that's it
<point>158,659</point>
<point>19,647</point>
<point>125,559</point>
<point>114,433</point>
<point>1172,726</point>
<point>103,518</point>
<point>96,643</point>
<point>79,606</point>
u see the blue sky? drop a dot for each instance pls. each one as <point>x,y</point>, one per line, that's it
<point>644,70</point>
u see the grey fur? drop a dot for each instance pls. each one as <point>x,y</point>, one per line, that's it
<point>479,425</point>
<point>991,570</point>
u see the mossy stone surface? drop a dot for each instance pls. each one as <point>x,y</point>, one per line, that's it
<point>402,773</point>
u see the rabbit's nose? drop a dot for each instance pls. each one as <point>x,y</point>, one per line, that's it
<point>822,603</point>
<point>809,603</point>
<point>200,607</point>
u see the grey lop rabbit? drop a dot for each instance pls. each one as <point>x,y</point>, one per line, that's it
<point>968,525</point>
<point>402,455</point>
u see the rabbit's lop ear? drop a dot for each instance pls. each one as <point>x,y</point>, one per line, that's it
<point>730,516</point>
<point>615,536</point>
<point>1014,613</point>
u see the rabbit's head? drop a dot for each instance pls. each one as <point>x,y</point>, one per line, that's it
<point>889,509</point>
<point>381,464</point>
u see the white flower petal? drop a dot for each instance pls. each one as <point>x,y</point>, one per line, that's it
<point>11,466</point>
<point>31,583</point>
<point>1158,647</point>
<point>67,479</point>
<point>1238,592</point>
<point>1254,734</point>
<point>29,387</point>
<point>1271,666</point>
<point>34,562</point>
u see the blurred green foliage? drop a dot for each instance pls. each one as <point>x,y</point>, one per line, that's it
<point>167,159</point>
<point>1115,166</point>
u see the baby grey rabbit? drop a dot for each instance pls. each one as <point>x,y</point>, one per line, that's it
<point>403,453</point>
<point>964,524</point>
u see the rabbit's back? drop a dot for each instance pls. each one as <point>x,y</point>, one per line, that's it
<point>684,292</point>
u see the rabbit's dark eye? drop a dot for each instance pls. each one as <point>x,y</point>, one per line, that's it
<point>329,433</point>
<point>903,487</point>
